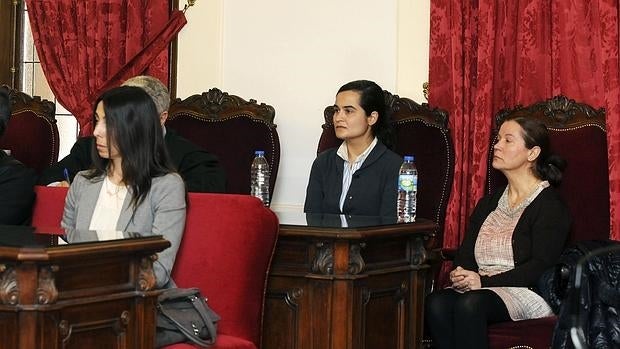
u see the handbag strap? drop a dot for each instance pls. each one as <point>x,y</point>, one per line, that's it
<point>189,333</point>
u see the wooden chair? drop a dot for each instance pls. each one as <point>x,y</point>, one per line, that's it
<point>421,131</point>
<point>31,134</point>
<point>578,134</point>
<point>232,129</point>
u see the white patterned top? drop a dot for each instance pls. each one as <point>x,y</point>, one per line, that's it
<point>494,255</point>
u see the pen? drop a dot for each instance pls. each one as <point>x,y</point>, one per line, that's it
<point>66,173</point>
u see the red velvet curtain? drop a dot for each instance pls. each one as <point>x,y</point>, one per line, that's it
<point>87,46</point>
<point>487,55</point>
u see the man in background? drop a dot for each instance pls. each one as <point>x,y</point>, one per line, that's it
<point>16,180</point>
<point>200,170</point>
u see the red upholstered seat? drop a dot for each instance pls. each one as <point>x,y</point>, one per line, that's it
<point>223,341</point>
<point>534,334</point>
<point>226,252</point>
<point>232,129</point>
<point>49,204</point>
<point>32,133</point>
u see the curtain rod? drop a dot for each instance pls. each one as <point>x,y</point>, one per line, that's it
<point>189,4</point>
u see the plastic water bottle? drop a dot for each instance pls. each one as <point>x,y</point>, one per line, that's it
<point>259,177</point>
<point>407,190</point>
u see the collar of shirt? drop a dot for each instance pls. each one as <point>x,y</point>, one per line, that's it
<point>344,153</point>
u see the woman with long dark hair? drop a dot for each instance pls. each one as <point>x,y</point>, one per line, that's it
<point>359,177</point>
<point>132,188</point>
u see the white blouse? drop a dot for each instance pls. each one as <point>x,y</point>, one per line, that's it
<point>108,210</point>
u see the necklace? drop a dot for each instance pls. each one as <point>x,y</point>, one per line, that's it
<point>112,189</point>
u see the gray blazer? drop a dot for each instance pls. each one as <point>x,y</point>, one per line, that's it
<point>161,213</point>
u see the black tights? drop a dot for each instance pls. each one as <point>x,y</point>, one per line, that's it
<point>459,320</point>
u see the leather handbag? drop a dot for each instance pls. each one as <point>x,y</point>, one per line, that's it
<point>184,316</point>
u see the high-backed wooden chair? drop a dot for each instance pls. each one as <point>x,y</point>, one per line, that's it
<point>32,133</point>
<point>423,132</point>
<point>578,134</point>
<point>232,129</point>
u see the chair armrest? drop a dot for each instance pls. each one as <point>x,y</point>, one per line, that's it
<point>448,253</point>
<point>441,260</point>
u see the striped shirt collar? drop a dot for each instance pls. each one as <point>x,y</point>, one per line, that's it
<point>343,152</point>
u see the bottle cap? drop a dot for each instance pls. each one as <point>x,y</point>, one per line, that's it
<point>409,157</point>
<point>259,152</point>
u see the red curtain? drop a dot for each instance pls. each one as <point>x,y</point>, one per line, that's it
<point>87,46</point>
<point>487,55</point>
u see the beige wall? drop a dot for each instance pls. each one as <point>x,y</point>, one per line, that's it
<point>294,55</point>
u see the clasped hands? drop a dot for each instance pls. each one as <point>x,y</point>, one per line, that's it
<point>465,280</point>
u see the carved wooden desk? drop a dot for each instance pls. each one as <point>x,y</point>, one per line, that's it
<point>347,288</point>
<point>86,295</point>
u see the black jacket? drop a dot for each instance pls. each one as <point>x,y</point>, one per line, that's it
<point>200,170</point>
<point>537,242</point>
<point>598,301</point>
<point>373,189</point>
<point>16,191</point>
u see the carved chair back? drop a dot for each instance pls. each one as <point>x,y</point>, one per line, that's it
<point>31,133</point>
<point>421,131</point>
<point>578,134</point>
<point>232,129</point>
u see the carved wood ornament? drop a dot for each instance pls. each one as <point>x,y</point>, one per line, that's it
<point>9,290</point>
<point>217,105</point>
<point>46,287</point>
<point>146,275</point>
<point>356,262</point>
<point>324,259</point>
<point>419,254</point>
<point>22,102</point>
<point>323,262</point>
<point>560,110</point>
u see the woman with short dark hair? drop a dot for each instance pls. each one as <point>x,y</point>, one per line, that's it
<point>359,177</point>
<point>513,236</point>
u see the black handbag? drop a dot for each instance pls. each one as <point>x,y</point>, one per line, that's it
<point>183,315</point>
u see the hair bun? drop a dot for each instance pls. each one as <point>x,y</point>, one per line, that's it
<point>552,169</point>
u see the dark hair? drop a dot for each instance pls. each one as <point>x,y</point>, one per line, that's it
<point>372,99</point>
<point>5,108</point>
<point>548,166</point>
<point>132,123</point>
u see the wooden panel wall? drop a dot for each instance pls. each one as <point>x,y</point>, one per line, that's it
<point>7,50</point>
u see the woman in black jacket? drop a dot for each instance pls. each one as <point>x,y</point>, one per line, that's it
<point>359,177</point>
<point>513,236</point>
